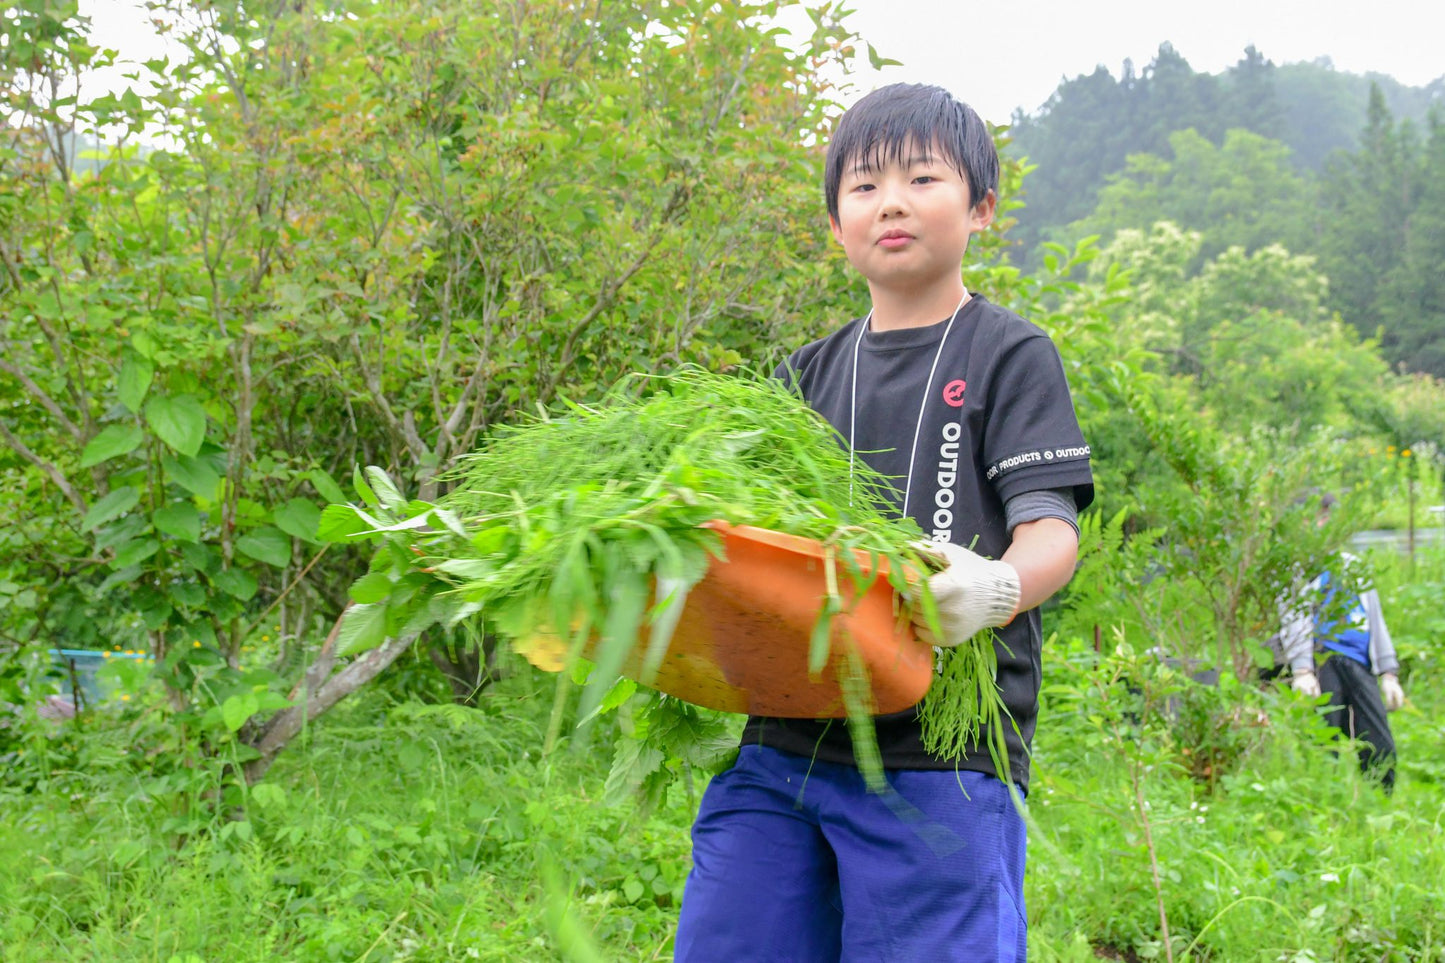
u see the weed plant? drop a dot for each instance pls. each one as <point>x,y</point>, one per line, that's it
<point>572,524</point>
<point>1281,851</point>
<point>400,829</point>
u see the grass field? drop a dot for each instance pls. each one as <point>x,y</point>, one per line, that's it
<point>410,831</point>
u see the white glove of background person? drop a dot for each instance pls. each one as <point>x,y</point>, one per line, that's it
<point>1390,688</point>
<point>972,593</point>
<point>1306,683</point>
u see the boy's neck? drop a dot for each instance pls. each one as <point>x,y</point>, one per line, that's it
<point>896,310</point>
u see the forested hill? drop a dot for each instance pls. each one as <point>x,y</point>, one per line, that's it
<point>1091,123</point>
<point>1343,167</point>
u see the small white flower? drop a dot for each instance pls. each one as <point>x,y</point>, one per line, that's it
<point>1329,877</point>
<point>1199,819</point>
<point>1257,786</point>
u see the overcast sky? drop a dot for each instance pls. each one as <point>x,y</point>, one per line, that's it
<point>1002,55</point>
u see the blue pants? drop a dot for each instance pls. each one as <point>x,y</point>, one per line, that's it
<point>795,861</point>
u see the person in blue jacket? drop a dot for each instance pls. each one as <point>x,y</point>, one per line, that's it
<point>1335,641</point>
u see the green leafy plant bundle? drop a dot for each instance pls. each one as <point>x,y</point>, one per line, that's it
<point>569,524</point>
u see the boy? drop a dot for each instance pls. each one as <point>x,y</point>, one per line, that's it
<point>966,406</point>
<point>1343,620</point>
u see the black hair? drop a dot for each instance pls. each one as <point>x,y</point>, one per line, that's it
<point>884,124</point>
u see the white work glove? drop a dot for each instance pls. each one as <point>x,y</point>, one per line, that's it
<point>1390,689</point>
<point>1306,683</point>
<point>972,593</point>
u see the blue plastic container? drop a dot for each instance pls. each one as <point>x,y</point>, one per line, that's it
<point>87,663</point>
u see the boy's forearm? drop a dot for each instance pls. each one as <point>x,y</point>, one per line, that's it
<point>1044,553</point>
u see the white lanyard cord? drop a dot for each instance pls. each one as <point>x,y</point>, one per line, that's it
<point>922,405</point>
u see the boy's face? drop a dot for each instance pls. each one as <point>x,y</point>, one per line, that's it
<point>906,225</point>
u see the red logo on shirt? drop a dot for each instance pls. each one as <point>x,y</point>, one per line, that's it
<point>953,392</point>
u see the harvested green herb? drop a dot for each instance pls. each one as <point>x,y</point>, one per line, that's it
<point>565,524</point>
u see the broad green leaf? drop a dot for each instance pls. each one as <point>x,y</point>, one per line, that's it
<point>114,440</point>
<point>299,518</point>
<point>271,701</point>
<point>238,708</point>
<point>407,524</point>
<point>375,587</point>
<point>437,609</point>
<point>362,627</point>
<point>189,594</point>
<point>326,486</point>
<point>237,583</point>
<point>876,60</point>
<point>266,545</point>
<point>121,531</point>
<point>342,523</point>
<point>135,380</point>
<point>199,557</point>
<point>155,616</point>
<point>202,633</point>
<point>622,690</point>
<point>385,489</point>
<point>180,422</point>
<point>133,553</point>
<point>195,475</point>
<point>115,504</point>
<point>450,520</point>
<point>181,520</point>
<point>268,795</point>
<point>120,577</point>
<point>368,497</point>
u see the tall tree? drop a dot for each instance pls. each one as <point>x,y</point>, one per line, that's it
<point>1250,99</point>
<point>1411,295</point>
<point>1085,132</point>
<point>1242,193</point>
<point>1362,216</point>
<point>1073,144</point>
<point>1175,97</point>
<point>379,231</point>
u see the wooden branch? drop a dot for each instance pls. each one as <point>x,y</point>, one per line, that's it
<point>404,429</point>
<point>606,298</point>
<point>463,406</point>
<point>737,83</point>
<point>287,591</point>
<point>78,397</point>
<point>10,268</point>
<point>40,395</point>
<point>281,728</point>
<point>318,670</point>
<point>52,472</point>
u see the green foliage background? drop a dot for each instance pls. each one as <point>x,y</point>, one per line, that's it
<point>1335,166</point>
<point>351,234</point>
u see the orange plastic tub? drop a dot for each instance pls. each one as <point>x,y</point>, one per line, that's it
<point>741,642</point>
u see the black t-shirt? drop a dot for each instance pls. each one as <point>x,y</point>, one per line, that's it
<point>980,411</point>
